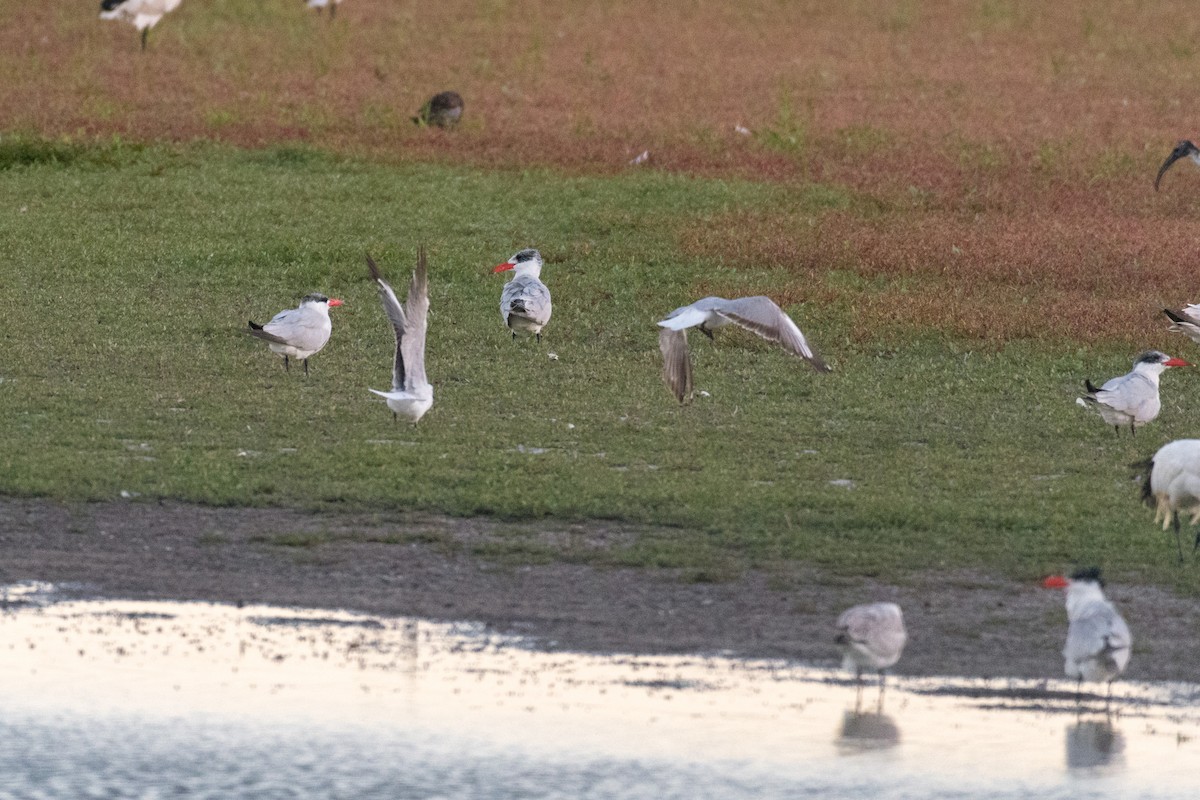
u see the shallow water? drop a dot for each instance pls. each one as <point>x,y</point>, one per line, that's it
<point>116,699</point>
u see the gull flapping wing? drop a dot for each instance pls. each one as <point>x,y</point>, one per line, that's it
<point>408,323</point>
<point>677,363</point>
<point>762,316</point>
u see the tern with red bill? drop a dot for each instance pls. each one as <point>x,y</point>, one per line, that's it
<point>1172,485</point>
<point>757,314</point>
<point>411,395</point>
<point>1131,399</point>
<point>871,636</point>
<point>142,14</point>
<point>298,332</point>
<point>1098,640</point>
<point>525,300</point>
<point>1184,149</point>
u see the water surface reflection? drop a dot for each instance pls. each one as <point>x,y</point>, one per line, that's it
<point>122,699</point>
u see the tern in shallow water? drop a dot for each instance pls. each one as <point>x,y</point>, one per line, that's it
<point>411,395</point>
<point>298,332</point>
<point>1132,399</point>
<point>1098,640</point>
<point>757,314</point>
<point>1184,149</point>
<point>871,636</point>
<point>525,300</point>
<point>142,14</point>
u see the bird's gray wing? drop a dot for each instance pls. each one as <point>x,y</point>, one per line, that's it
<point>531,299</point>
<point>762,316</point>
<point>395,315</point>
<point>260,333</point>
<point>298,328</point>
<point>416,314</point>
<point>1099,629</point>
<point>677,363</point>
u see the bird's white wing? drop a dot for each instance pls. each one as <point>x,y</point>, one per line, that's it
<point>877,628</point>
<point>762,316</point>
<point>395,314</point>
<point>677,363</point>
<point>416,312</point>
<point>305,330</point>
<point>686,317</point>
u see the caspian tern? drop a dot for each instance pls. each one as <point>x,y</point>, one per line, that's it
<point>320,4</point>
<point>757,314</point>
<point>1172,485</point>
<point>443,110</point>
<point>1131,399</point>
<point>1098,640</point>
<point>143,14</point>
<point>411,394</point>
<point>1186,321</point>
<point>298,332</point>
<point>871,636</point>
<point>1184,149</point>
<point>525,301</point>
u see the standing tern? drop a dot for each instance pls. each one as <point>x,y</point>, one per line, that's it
<point>757,314</point>
<point>1131,399</point>
<point>525,300</point>
<point>411,394</point>
<point>143,14</point>
<point>1172,485</point>
<point>298,332</point>
<point>1184,149</point>
<point>1098,640</point>
<point>871,636</point>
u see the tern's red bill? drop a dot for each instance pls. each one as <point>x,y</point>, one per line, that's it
<point>1176,362</point>
<point>1056,582</point>
<point>334,302</point>
<point>502,267</point>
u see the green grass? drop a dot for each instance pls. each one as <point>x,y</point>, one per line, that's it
<point>128,274</point>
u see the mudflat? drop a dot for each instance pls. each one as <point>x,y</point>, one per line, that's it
<point>962,623</point>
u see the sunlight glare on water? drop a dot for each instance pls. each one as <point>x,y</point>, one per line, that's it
<point>120,699</point>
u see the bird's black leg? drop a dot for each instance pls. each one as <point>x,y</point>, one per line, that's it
<point>145,33</point>
<point>332,9</point>
<point>1132,428</point>
<point>1117,428</point>
<point>538,337</point>
<point>1177,542</point>
<point>706,332</point>
<point>306,367</point>
<point>286,366</point>
<point>395,416</point>
<point>1196,546</point>
<point>514,333</point>
<point>882,688</point>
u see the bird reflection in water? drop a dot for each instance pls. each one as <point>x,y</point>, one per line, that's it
<point>862,731</point>
<point>1094,743</point>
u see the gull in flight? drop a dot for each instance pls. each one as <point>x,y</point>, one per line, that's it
<point>411,395</point>
<point>757,314</point>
